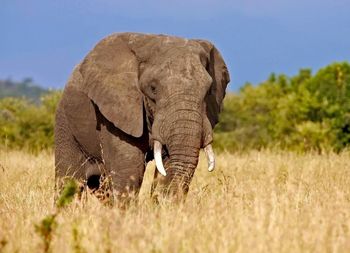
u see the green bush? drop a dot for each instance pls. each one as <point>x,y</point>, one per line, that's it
<point>24,124</point>
<point>301,113</point>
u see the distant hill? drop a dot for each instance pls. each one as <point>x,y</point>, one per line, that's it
<point>25,88</point>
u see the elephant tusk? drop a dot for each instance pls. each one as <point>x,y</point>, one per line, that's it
<point>158,157</point>
<point>210,157</point>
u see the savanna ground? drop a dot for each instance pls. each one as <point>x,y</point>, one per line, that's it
<point>254,202</point>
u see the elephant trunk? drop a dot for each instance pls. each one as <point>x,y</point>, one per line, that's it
<point>183,140</point>
<point>181,166</point>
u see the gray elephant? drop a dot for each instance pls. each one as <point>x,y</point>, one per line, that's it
<point>134,98</point>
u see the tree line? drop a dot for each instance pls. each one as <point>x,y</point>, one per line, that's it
<point>303,112</point>
<point>25,88</point>
<point>300,113</point>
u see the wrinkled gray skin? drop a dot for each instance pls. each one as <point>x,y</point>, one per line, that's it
<point>130,90</point>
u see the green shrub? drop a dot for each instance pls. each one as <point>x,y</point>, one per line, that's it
<point>24,124</point>
<point>301,113</point>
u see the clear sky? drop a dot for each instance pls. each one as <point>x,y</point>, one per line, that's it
<point>44,39</point>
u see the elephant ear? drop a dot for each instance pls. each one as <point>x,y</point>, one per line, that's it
<point>110,80</point>
<point>220,75</point>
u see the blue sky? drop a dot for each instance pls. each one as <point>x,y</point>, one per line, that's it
<point>44,39</point>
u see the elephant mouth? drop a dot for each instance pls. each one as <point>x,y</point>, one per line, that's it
<point>157,149</point>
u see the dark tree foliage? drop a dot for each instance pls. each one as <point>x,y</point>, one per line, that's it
<point>303,112</point>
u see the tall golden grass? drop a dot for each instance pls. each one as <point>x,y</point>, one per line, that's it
<point>255,202</point>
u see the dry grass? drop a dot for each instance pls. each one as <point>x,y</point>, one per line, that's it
<point>256,202</point>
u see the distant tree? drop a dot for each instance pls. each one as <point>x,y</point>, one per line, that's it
<point>27,80</point>
<point>24,124</point>
<point>27,88</point>
<point>302,112</point>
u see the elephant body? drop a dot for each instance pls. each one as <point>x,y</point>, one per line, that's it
<point>131,92</point>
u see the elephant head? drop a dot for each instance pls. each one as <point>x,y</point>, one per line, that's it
<point>171,87</point>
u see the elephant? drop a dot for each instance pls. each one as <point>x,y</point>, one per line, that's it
<point>135,98</point>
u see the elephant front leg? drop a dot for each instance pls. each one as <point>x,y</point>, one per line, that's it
<point>124,161</point>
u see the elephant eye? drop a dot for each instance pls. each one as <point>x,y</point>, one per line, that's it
<point>153,90</point>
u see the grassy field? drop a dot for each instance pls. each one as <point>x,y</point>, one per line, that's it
<point>255,202</point>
